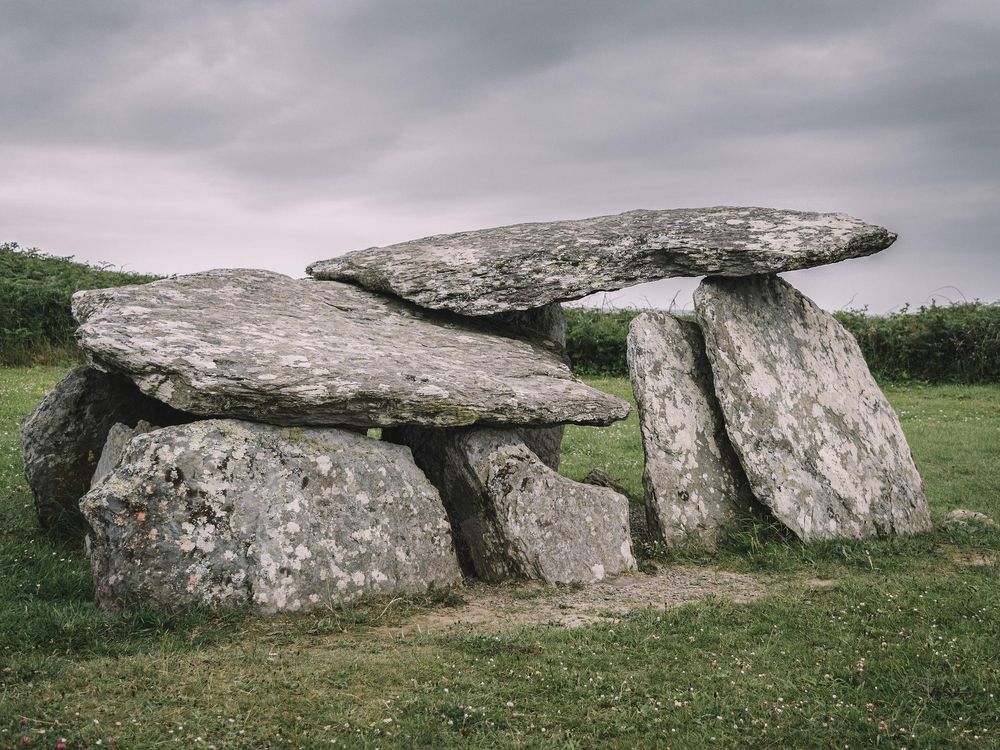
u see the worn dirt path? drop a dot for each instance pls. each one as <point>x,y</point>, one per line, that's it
<point>500,607</point>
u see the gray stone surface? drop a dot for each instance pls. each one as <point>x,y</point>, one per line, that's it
<point>529,265</point>
<point>225,512</point>
<point>545,326</point>
<point>516,518</point>
<point>118,439</point>
<point>544,442</point>
<point>817,439</point>
<point>694,484</point>
<point>62,440</point>
<point>261,346</point>
<point>963,517</point>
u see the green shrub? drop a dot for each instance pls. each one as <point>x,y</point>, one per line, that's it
<point>595,340</point>
<point>35,290</point>
<point>957,344</point>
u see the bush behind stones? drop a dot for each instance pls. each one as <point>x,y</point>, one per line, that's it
<point>957,343</point>
<point>35,289</point>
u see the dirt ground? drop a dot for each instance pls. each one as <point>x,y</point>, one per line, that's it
<point>499,607</point>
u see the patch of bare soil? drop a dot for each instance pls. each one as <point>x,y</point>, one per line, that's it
<point>974,559</point>
<point>493,608</point>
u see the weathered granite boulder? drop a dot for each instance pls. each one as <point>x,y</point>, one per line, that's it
<point>261,346</point>
<point>62,439</point>
<point>516,518</point>
<point>529,265</point>
<point>694,484</point>
<point>817,439</point>
<point>235,513</point>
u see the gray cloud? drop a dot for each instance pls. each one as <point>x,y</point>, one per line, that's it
<point>185,135</point>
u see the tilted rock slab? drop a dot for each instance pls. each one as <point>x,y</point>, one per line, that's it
<point>817,439</point>
<point>261,346</point>
<point>62,440</point>
<point>529,265</point>
<point>694,484</point>
<point>516,518</point>
<point>225,512</point>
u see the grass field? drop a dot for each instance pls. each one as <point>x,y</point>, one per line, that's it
<point>884,643</point>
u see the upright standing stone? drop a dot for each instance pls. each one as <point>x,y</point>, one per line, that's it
<point>522,266</point>
<point>63,437</point>
<point>820,444</point>
<point>514,517</point>
<point>693,481</point>
<point>232,513</point>
<point>545,326</point>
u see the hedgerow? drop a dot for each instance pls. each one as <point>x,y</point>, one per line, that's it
<point>35,290</point>
<point>955,344</point>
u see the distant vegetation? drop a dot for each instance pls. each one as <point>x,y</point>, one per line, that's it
<point>954,344</point>
<point>35,289</point>
<point>959,343</point>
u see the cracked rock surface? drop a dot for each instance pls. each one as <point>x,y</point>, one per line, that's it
<point>260,346</point>
<point>62,440</point>
<point>817,439</point>
<point>225,512</point>
<point>514,517</point>
<point>524,266</point>
<point>694,484</point>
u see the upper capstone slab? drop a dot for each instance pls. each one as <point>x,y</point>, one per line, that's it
<point>523,266</point>
<point>261,346</point>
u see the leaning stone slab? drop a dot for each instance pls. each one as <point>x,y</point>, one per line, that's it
<point>529,265</point>
<point>119,436</point>
<point>264,347</point>
<point>694,484</point>
<point>224,512</point>
<point>820,444</point>
<point>547,327</point>
<point>62,439</point>
<point>516,518</point>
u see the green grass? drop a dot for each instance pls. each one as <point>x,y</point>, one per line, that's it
<point>900,652</point>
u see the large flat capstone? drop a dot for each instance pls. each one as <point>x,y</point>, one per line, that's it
<point>817,439</point>
<point>694,484</point>
<point>513,516</point>
<point>261,346</point>
<point>233,513</point>
<point>529,265</point>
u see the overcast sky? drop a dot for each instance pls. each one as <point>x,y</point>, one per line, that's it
<point>180,136</point>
